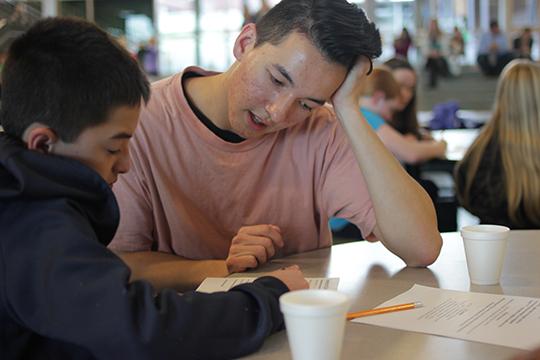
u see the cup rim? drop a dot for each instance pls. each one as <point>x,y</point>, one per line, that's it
<point>291,302</point>
<point>485,232</point>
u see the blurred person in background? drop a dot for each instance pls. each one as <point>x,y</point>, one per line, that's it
<point>147,55</point>
<point>493,51</point>
<point>382,97</point>
<point>402,43</point>
<point>498,180</point>
<point>523,44</point>
<point>250,17</point>
<point>436,64</point>
<point>404,119</point>
<point>457,50</point>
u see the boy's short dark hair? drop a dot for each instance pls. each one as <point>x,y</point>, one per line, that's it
<point>340,30</point>
<point>68,74</point>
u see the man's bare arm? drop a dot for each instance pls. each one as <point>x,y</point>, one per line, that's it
<point>252,246</point>
<point>406,220</point>
<point>165,270</point>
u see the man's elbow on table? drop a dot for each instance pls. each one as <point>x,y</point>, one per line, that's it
<point>427,254</point>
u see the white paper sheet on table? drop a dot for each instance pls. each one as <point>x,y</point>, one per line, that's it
<point>210,285</point>
<point>512,321</point>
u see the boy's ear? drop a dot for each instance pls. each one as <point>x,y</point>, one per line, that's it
<point>245,41</point>
<point>378,96</point>
<point>40,138</point>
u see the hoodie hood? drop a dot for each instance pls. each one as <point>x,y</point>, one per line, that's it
<point>27,174</point>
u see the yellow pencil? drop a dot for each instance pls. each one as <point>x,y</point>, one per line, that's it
<point>383,310</point>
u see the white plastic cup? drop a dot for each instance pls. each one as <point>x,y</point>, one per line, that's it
<point>485,247</point>
<point>315,322</point>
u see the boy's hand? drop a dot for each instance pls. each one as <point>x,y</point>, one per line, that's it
<point>292,277</point>
<point>252,246</point>
<point>348,94</point>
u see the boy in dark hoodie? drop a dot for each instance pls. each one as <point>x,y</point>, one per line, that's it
<point>70,103</point>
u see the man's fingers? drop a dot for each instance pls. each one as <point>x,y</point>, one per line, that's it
<point>250,240</point>
<point>241,263</point>
<point>272,232</point>
<point>258,251</point>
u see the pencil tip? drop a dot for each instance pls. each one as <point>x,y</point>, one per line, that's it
<point>418,304</point>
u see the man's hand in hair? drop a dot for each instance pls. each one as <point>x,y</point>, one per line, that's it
<point>350,90</point>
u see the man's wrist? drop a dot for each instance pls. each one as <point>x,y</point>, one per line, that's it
<point>348,113</point>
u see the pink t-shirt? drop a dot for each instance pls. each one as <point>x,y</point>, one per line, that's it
<point>190,191</point>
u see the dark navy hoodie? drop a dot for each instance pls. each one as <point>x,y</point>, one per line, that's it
<point>64,295</point>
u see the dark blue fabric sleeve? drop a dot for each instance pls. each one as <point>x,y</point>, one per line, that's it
<point>65,286</point>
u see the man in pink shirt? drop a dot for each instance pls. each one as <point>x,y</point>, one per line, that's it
<point>232,169</point>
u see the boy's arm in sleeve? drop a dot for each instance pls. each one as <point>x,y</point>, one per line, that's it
<point>77,291</point>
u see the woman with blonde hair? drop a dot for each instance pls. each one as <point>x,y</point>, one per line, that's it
<point>498,180</point>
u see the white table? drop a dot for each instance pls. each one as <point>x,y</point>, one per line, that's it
<point>458,141</point>
<point>370,274</point>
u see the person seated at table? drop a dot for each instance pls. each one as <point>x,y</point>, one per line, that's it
<point>498,178</point>
<point>232,169</point>
<point>493,50</point>
<point>435,54</point>
<point>523,44</point>
<point>404,118</point>
<point>71,103</point>
<point>381,97</point>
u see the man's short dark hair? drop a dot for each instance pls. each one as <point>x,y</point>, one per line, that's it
<point>68,74</point>
<point>339,29</point>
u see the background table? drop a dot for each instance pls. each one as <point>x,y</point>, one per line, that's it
<point>458,141</point>
<point>370,274</point>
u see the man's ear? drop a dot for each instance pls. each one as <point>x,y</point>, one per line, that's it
<point>40,138</point>
<point>245,41</point>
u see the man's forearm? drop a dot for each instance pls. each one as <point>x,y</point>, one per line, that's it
<point>165,270</point>
<point>405,214</point>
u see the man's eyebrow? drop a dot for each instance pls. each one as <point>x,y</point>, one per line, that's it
<point>286,75</point>
<point>122,135</point>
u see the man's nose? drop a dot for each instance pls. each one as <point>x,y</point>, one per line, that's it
<point>278,108</point>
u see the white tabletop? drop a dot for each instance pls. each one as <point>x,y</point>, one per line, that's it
<point>458,141</point>
<point>370,274</point>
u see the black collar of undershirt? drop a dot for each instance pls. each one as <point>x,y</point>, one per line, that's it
<point>225,135</point>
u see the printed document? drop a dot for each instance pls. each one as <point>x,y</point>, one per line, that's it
<point>210,285</point>
<point>512,321</point>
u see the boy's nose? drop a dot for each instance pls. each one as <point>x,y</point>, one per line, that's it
<point>278,109</point>
<point>123,164</point>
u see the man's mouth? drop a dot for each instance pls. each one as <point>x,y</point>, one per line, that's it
<point>256,122</point>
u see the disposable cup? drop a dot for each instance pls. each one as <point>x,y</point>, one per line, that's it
<point>315,322</point>
<point>485,247</point>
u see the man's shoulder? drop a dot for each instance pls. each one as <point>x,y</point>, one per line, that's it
<point>168,100</point>
<point>169,83</point>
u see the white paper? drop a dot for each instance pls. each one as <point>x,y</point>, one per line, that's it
<point>210,285</point>
<point>512,321</point>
